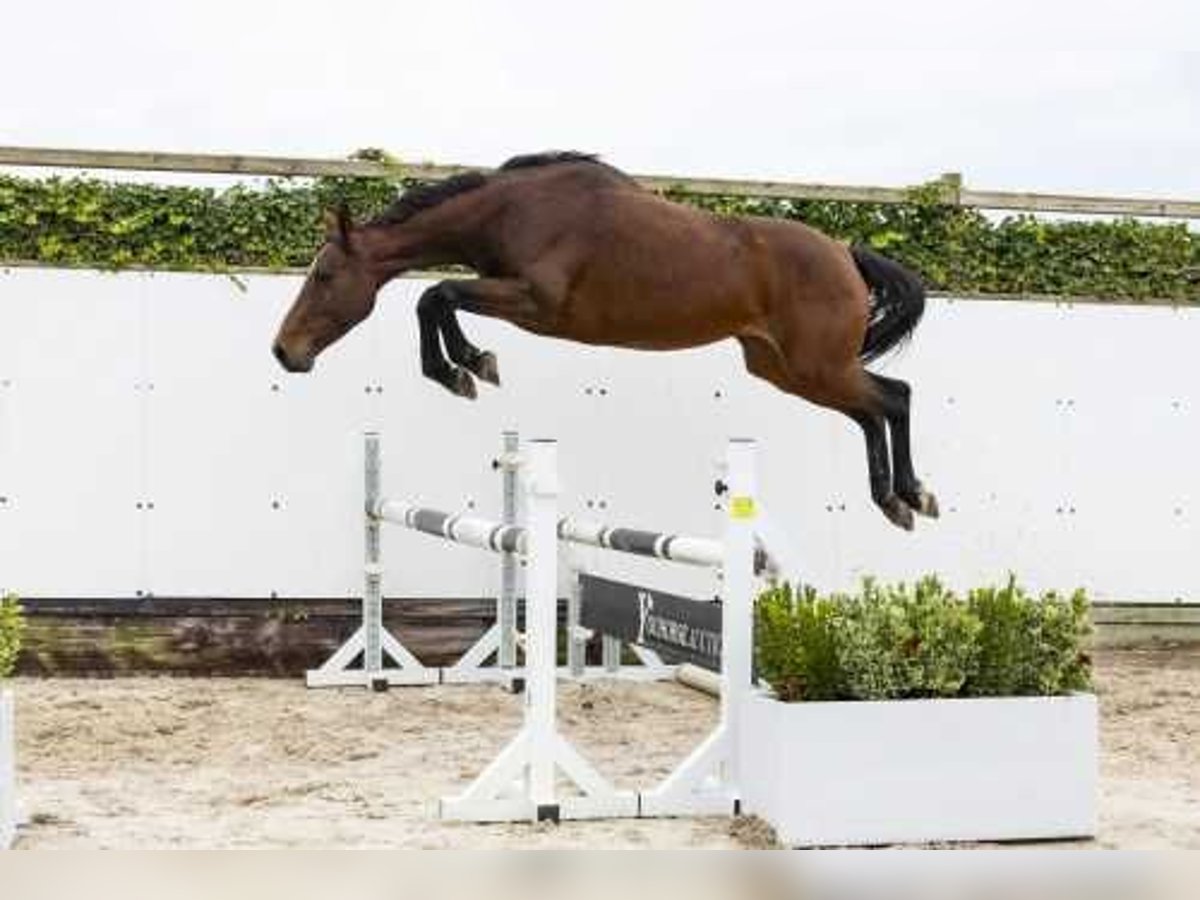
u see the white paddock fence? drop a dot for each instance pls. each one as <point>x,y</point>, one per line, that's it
<point>521,783</point>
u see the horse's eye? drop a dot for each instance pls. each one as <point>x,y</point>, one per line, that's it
<point>322,276</point>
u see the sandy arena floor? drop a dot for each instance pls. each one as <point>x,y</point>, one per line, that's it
<point>220,763</point>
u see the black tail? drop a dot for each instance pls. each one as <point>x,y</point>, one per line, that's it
<point>897,302</point>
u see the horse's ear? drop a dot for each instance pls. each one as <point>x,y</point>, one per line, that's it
<point>338,226</point>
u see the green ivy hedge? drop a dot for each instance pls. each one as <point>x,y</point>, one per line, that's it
<point>12,628</point>
<point>88,222</point>
<point>897,642</point>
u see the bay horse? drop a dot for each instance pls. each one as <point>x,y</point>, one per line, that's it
<point>567,246</point>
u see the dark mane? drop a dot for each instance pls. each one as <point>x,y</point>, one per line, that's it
<point>555,157</point>
<point>549,158</point>
<point>421,197</point>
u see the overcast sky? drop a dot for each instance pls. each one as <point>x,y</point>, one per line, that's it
<point>1050,95</point>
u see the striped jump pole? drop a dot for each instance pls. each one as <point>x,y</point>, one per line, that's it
<point>679,548</point>
<point>459,528</point>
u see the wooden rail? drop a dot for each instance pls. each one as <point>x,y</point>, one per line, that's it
<point>259,636</point>
<point>278,166</point>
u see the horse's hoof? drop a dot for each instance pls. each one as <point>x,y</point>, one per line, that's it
<point>921,501</point>
<point>486,368</point>
<point>927,505</point>
<point>463,384</point>
<point>898,512</point>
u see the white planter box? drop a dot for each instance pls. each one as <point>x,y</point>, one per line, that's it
<point>8,777</point>
<point>916,771</point>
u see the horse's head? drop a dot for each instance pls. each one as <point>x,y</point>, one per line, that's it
<point>338,293</point>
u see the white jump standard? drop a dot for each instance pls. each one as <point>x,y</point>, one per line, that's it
<point>374,643</point>
<point>371,640</point>
<point>520,782</point>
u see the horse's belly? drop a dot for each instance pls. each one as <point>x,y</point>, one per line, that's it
<point>649,322</point>
<point>653,306</point>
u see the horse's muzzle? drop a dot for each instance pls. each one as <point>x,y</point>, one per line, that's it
<point>288,363</point>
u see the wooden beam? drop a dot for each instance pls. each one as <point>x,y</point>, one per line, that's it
<point>279,166</point>
<point>1146,624</point>
<point>1065,203</point>
<point>288,167</point>
<point>258,636</point>
<point>1147,614</point>
<point>199,636</point>
<point>217,164</point>
<point>232,636</point>
<point>780,190</point>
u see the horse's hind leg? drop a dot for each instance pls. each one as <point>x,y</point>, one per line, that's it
<point>852,394</point>
<point>764,360</point>
<point>896,401</point>
<point>879,470</point>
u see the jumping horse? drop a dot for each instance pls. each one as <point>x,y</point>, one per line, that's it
<point>567,246</point>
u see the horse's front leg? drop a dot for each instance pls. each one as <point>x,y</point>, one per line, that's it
<point>431,310</point>
<point>480,363</point>
<point>510,299</point>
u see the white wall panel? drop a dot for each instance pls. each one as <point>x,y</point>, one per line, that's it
<point>215,438</point>
<point>1131,480</point>
<point>72,358</point>
<point>1060,441</point>
<point>314,445</point>
<point>987,439</point>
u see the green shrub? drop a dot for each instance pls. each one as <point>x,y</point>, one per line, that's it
<point>941,647</point>
<point>873,643</point>
<point>1030,646</point>
<point>896,641</point>
<point>12,628</point>
<point>794,644</point>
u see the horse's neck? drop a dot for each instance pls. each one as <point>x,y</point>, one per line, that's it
<point>396,249</point>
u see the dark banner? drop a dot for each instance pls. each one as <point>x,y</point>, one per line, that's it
<point>678,628</point>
